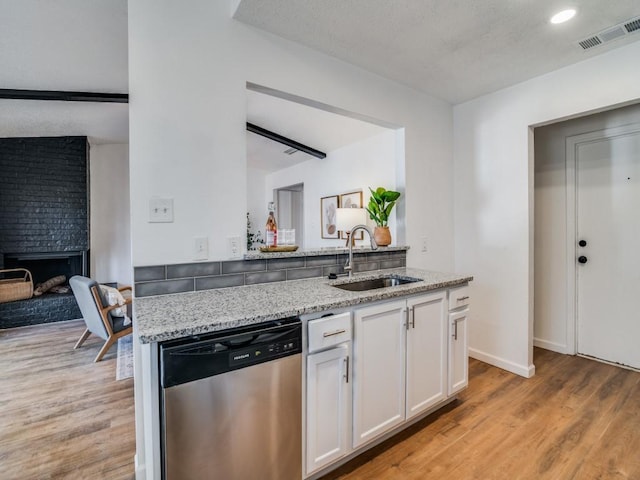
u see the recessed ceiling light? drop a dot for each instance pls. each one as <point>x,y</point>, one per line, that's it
<point>563,16</point>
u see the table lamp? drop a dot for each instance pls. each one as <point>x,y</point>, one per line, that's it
<point>347,218</point>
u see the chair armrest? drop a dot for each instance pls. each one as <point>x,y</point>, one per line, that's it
<point>127,287</point>
<point>112,307</point>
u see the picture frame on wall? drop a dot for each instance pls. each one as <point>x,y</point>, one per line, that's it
<point>352,200</point>
<point>328,207</point>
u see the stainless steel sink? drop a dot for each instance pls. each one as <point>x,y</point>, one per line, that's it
<point>373,283</point>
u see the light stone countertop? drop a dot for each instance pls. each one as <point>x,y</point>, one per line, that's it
<point>167,317</point>
<point>258,255</point>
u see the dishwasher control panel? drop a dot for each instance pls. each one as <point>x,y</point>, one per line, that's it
<point>264,352</point>
<point>187,360</point>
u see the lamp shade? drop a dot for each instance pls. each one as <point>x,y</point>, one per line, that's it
<point>347,218</point>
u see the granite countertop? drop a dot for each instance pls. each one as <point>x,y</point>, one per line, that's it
<point>258,255</point>
<point>168,317</point>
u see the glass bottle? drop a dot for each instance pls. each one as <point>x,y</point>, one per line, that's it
<point>271,231</point>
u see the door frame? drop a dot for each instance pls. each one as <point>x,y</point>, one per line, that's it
<point>571,147</point>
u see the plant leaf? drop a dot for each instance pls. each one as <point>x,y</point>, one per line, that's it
<point>391,196</point>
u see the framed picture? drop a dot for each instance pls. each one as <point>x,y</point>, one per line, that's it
<point>352,200</point>
<point>328,206</point>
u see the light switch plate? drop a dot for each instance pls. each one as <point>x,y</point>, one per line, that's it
<point>160,210</point>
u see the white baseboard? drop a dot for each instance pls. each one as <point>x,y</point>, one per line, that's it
<point>553,346</point>
<point>523,371</point>
<point>140,471</point>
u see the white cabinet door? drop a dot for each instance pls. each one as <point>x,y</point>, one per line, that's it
<point>426,352</point>
<point>328,406</point>
<point>458,351</point>
<point>379,370</point>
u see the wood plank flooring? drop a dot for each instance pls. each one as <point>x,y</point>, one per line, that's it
<point>576,419</point>
<point>61,415</point>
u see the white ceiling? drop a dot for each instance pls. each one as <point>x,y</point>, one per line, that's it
<point>455,50</point>
<point>310,126</point>
<point>73,45</point>
<point>452,49</point>
<point>101,122</point>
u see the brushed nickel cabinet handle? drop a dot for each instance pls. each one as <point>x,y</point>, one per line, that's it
<point>346,375</point>
<point>463,298</point>
<point>331,334</point>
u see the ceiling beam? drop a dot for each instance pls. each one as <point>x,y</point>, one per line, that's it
<point>63,96</point>
<point>284,140</point>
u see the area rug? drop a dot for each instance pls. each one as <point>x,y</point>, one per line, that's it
<point>124,363</point>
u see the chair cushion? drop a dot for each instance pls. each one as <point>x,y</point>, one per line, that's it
<point>118,324</point>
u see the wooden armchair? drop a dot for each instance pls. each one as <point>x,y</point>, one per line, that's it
<point>97,314</point>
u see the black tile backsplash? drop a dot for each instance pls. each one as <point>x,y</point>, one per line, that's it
<point>265,277</point>
<point>300,273</point>
<point>193,270</point>
<point>145,274</point>
<point>188,277</point>
<point>164,287</point>
<point>241,266</point>
<point>220,281</point>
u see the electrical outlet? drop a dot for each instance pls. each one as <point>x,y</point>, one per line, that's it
<point>233,247</point>
<point>160,210</point>
<point>424,245</point>
<point>201,248</point>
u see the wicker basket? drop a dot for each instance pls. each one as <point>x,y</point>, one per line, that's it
<point>19,288</point>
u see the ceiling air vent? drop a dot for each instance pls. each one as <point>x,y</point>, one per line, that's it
<point>590,42</point>
<point>612,33</point>
<point>632,25</point>
<point>291,151</point>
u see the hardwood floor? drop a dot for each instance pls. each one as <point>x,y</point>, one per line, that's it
<point>61,415</point>
<point>576,419</point>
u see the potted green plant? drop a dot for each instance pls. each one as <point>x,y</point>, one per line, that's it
<point>380,205</point>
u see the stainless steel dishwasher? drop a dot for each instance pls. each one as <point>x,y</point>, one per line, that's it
<point>231,404</point>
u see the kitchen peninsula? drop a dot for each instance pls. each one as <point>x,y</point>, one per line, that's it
<point>435,303</point>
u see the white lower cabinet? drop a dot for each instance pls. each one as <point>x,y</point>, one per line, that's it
<point>409,355</point>
<point>426,352</point>
<point>458,351</point>
<point>458,368</point>
<point>378,370</point>
<point>328,413</point>
<point>400,362</point>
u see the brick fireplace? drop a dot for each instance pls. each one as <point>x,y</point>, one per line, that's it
<point>44,220</point>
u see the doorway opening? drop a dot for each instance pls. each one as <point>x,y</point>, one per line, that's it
<point>586,194</point>
<point>290,213</point>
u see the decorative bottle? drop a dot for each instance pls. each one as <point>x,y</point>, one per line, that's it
<point>271,231</point>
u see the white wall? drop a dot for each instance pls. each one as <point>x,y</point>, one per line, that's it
<point>355,167</point>
<point>493,184</point>
<point>188,72</point>
<point>550,249</point>
<point>110,229</point>
<point>256,195</point>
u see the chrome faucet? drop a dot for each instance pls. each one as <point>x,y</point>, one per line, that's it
<point>349,265</point>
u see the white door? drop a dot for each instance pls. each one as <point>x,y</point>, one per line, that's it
<point>378,370</point>
<point>426,352</point>
<point>328,402</point>
<point>608,246</point>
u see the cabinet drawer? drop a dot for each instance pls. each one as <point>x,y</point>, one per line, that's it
<point>329,331</point>
<point>459,297</point>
